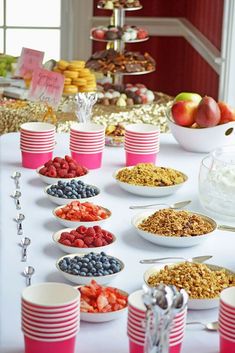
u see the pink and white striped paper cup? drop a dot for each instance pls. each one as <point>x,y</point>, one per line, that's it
<point>227,320</point>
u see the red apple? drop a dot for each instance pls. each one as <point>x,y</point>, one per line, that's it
<point>207,113</point>
<point>142,34</point>
<point>183,112</point>
<point>98,34</point>
<point>227,113</point>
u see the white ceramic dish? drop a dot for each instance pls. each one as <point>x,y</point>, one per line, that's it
<point>202,140</point>
<point>75,224</point>
<point>171,241</point>
<point>193,304</point>
<point>85,279</point>
<point>148,191</point>
<point>63,201</point>
<point>49,180</point>
<point>74,250</point>
<point>104,317</point>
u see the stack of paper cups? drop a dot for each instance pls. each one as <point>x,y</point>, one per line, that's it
<point>37,142</point>
<point>142,143</point>
<point>87,141</point>
<point>50,318</point>
<point>136,325</point>
<point>227,320</point>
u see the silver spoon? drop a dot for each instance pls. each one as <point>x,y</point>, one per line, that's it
<point>28,272</point>
<point>210,326</point>
<point>16,196</point>
<point>174,206</point>
<point>199,259</point>
<point>25,242</point>
<point>16,176</point>
<point>19,219</point>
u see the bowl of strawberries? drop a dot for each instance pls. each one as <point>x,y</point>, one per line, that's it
<point>61,168</point>
<point>84,239</point>
<point>102,303</point>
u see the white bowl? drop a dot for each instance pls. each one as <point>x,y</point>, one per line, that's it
<point>49,180</point>
<point>193,304</point>
<point>171,241</point>
<point>87,279</point>
<point>204,139</point>
<point>75,224</point>
<point>148,191</point>
<point>104,317</point>
<point>74,250</point>
<point>63,201</point>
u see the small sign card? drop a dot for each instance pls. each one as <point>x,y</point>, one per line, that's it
<point>46,86</point>
<point>29,61</point>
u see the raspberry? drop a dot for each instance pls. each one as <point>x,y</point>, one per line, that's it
<point>78,243</point>
<point>66,242</point>
<point>98,242</point>
<point>71,174</point>
<point>43,170</point>
<point>79,236</point>
<point>47,164</point>
<point>104,242</point>
<point>65,166</point>
<point>68,159</point>
<point>52,173</point>
<point>57,160</point>
<point>90,232</point>
<point>51,168</point>
<point>71,238</point>
<point>72,166</point>
<point>64,235</point>
<point>108,237</point>
<point>88,240</point>
<point>79,171</point>
<point>97,228</point>
<point>81,230</point>
<point>56,165</point>
<point>99,235</point>
<point>62,173</point>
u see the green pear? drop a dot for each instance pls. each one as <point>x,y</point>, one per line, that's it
<point>187,96</point>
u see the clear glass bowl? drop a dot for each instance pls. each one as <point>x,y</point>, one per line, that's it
<point>217,182</point>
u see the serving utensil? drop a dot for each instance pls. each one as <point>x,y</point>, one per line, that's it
<point>25,242</point>
<point>16,176</point>
<point>19,219</point>
<point>16,196</point>
<point>174,206</point>
<point>28,273</point>
<point>199,259</point>
<point>210,326</point>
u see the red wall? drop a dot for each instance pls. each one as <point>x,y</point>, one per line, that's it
<point>179,66</point>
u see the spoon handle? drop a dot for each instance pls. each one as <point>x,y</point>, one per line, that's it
<point>19,229</point>
<point>18,207</point>
<point>24,255</point>
<point>147,206</point>
<point>152,261</point>
<point>17,182</point>
<point>228,228</point>
<point>28,281</point>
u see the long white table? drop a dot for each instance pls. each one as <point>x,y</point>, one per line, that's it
<point>40,224</point>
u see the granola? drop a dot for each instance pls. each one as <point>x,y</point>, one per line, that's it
<point>147,174</point>
<point>172,223</point>
<point>199,281</point>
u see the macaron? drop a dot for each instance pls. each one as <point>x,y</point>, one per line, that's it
<point>62,64</point>
<point>79,81</point>
<point>70,74</point>
<point>67,81</point>
<point>70,89</point>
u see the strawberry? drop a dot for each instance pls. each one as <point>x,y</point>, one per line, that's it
<point>102,302</point>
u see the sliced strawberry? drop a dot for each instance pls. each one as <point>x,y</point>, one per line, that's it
<point>102,302</point>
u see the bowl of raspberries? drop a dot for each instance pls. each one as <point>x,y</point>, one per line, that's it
<point>63,169</point>
<point>84,239</point>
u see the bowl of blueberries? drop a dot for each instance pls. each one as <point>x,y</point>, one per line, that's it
<point>74,190</point>
<point>82,268</point>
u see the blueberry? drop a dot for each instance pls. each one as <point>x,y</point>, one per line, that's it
<point>98,266</point>
<point>85,259</point>
<point>100,273</point>
<point>75,272</point>
<point>110,271</point>
<point>103,253</point>
<point>93,270</point>
<point>82,273</point>
<point>84,269</point>
<point>106,265</point>
<point>105,273</point>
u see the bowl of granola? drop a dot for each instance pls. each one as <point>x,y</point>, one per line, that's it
<point>146,179</point>
<point>176,229</point>
<point>202,282</point>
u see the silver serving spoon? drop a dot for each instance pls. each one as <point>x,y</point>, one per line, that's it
<point>16,176</point>
<point>210,326</point>
<point>16,196</point>
<point>19,219</point>
<point>28,273</point>
<point>174,206</point>
<point>25,242</point>
<point>199,259</point>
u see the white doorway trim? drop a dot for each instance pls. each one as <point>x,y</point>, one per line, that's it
<point>227,77</point>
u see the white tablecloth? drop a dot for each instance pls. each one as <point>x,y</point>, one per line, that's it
<point>40,224</point>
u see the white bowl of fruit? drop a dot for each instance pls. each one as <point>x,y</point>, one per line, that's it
<point>201,124</point>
